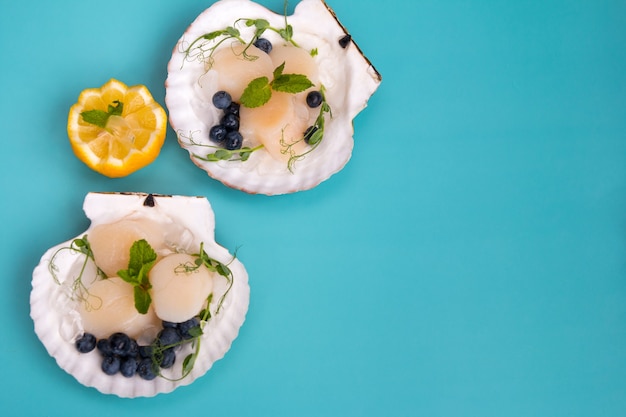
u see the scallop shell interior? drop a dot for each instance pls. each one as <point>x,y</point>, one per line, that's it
<point>186,222</point>
<point>348,77</point>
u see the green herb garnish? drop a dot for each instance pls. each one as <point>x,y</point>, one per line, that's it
<point>142,258</point>
<point>259,91</point>
<point>313,139</point>
<point>203,47</point>
<point>100,117</point>
<point>79,290</point>
<point>220,154</point>
<point>201,259</point>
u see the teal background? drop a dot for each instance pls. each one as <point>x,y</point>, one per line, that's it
<point>470,260</point>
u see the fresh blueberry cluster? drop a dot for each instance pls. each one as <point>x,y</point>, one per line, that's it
<point>122,354</point>
<point>226,133</point>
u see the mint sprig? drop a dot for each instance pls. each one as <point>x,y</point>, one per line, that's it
<point>100,117</point>
<point>259,91</point>
<point>142,258</point>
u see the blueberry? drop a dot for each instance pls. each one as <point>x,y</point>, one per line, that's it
<point>104,347</point>
<point>86,343</point>
<point>146,351</point>
<point>111,365</point>
<point>308,134</point>
<point>186,326</point>
<point>233,108</point>
<point>233,140</point>
<point>230,121</point>
<point>128,367</point>
<point>168,337</point>
<point>314,99</point>
<point>168,359</point>
<point>120,344</point>
<point>146,369</point>
<point>221,100</point>
<point>133,350</point>
<point>169,324</point>
<point>264,45</point>
<point>217,133</point>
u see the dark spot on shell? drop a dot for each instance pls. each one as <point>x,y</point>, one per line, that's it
<point>343,42</point>
<point>149,201</point>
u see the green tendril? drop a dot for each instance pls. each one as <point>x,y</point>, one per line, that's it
<point>78,289</point>
<point>201,259</point>
<point>203,47</point>
<point>313,139</point>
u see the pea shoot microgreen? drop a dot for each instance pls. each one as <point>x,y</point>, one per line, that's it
<point>79,290</point>
<point>100,117</point>
<point>213,265</point>
<point>313,136</point>
<point>201,259</point>
<point>203,47</point>
<point>220,154</point>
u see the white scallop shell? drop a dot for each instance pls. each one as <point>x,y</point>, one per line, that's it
<point>57,323</point>
<point>348,76</point>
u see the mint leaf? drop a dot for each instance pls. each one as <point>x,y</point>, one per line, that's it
<point>291,83</point>
<point>95,117</point>
<point>279,70</point>
<point>257,93</point>
<point>142,300</point>
<point>117,109</point>
<point>100,117</point>
<point>140,253</point>
<point>142,277</point>
<point>127,276</point>
<point>142,258</point>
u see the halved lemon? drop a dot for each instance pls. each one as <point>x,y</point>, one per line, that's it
<point>115,129</point>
